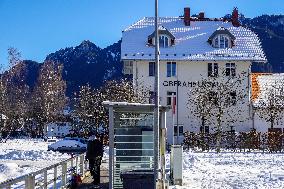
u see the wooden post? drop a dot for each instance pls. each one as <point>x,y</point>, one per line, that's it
<point>30,182</point>
<point>82,165</point>
<point>76,164</point>
<point>27,183</point>
<point>55,178</point>
<point>64,172</point>
<point>72,163</point>
<point>45,179</point>
<point>85,163</point>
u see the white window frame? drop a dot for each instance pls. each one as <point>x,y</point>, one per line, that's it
<point>204,129</point>
<point>219,38</point>
<point>177,128</point>
<point>214,69</point>
<point>128,67</point>
<point>170,95</point>
<point>165,43</point>
<point>172,74</point>
<point>232,68</point>
<point>151,97</point>
<point>233,98</point>
<point>154,71</point>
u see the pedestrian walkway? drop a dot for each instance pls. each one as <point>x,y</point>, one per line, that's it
<point>87,181</point>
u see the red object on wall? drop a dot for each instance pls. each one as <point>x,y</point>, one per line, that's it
<point>174,104</point>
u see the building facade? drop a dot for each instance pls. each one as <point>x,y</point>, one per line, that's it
<point>267,101</point>
<point>192,49</point>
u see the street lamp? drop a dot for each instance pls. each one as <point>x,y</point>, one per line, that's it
<point>157,96</point>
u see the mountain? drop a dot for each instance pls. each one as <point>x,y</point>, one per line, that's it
<point>26,72</point>
<point>270,29</point>
<point>88,63</point>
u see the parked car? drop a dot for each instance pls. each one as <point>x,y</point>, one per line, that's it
<point>52,140</point>
<point>69,144</point>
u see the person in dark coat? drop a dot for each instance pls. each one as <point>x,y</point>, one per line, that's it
<point>94,155</point>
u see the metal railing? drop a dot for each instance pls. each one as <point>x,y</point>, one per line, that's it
<point>54,176</point>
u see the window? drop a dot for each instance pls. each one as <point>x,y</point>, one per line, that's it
<point>170,96</point>
<point>151,97</point>
<point>204,129</point>
<point>226,42</point>
<point>230,69</point>
<point>216,42</point>
<point>212,97</point>
<point>152,68</point>
<point>221,41</point>
<point>212,69</point>
<point>171,69</point>
<point>233,98</point>
<point>163,41</point>
<point>128,67</point>
<point>178,129</point>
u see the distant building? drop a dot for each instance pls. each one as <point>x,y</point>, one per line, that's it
<point>267,92</point>
<point>191,48</point>
<point>58,129</point>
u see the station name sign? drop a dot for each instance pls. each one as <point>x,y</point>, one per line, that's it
<point>178,83</point>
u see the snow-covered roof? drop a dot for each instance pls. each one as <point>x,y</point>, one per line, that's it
<point>191,42</point>
<point>263,84</point>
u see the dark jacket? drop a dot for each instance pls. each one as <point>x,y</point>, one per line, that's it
<point>94,149</point>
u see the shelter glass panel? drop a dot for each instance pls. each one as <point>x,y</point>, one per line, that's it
<point>133,143</point>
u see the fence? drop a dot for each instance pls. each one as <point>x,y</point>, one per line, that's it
<point>54,176</point>
<point>270,141</point>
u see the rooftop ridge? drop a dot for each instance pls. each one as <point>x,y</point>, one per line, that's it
<point>247,45</point>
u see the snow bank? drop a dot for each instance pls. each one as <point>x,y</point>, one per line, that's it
<point>208,170</point>
<point>232,170</point>
<point>22,156</point>
<point>8,170</point>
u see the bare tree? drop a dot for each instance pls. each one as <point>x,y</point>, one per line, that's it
<point>215,101</point>
<point>270,106</point>
<point>89,107</point>
<point>85,107</point>
<point>2,102</point>
<point>199,103</point>
<point>14,92</point>
<point>49,94</point>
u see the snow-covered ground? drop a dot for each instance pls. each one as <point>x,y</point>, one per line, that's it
<point>229,170</point>
<point>22,156</point>
<point>204,170</point>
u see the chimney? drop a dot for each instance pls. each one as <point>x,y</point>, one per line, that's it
<point>186,16</point>
<point>201,15</point>
<point>235,17</point>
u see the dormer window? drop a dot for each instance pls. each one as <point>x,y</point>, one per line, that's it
<point>163,41</point>
<point>166,39</point>
<point>222,38</point>
<point>222,41</point>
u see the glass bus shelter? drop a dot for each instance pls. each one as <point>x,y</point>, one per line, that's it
<point>131,138</point>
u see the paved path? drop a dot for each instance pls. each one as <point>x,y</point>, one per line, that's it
<point>87,181</point>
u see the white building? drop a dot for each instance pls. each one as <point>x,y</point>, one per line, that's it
<point>58,129</point>
<point>267,101</point>
<point>191,49</point>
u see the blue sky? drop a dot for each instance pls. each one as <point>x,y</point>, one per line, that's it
<point>39,27</point>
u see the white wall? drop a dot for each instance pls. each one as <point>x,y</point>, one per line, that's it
<point>262,126</point>
<point>191,71</point>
